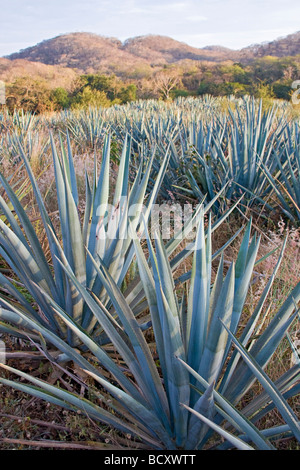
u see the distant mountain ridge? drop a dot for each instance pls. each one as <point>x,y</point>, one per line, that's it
<point>285,46</point>
<point>90,53</point>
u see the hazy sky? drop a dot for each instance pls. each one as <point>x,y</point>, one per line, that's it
<point>231,23</point>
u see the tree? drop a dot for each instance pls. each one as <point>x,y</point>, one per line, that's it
<point>165,81</point>
<point>88,97</point>
<point>110,84</point>
<point>127,93</point>
<point>263,91</point>
<point>282,91</point>
<point>30,94</point>
<point>208,88</point>
<point>60,98</point>
<point>235,73</point>
<point>267,69</point>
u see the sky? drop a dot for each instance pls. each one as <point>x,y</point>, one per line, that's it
<point>199,23</point>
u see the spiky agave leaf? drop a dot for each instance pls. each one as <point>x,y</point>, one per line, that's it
<point>144,398</point>
<point>21,248</point>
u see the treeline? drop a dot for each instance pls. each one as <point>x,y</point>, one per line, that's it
<point>268,77</point>
<point>265,77</point>
<point>36,95</point>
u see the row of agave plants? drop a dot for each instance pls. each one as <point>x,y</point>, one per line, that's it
<point>205,362</point>
<point>212,142</point>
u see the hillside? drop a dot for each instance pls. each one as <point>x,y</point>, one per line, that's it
<point>55,76</point>
<point>89,53</point>
<point>82,51</point>
<point>161,49</point>
<point>282,47</point>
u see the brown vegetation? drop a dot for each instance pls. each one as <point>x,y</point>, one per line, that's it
<point>90,53</point>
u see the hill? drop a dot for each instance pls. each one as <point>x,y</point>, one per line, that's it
<point>55,76</point>
<point>90,53</point>
<point>282,47</point>
<point>161,49</point>
<point>82,51</point>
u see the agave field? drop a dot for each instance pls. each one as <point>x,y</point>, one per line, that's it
<point>150,337</point>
